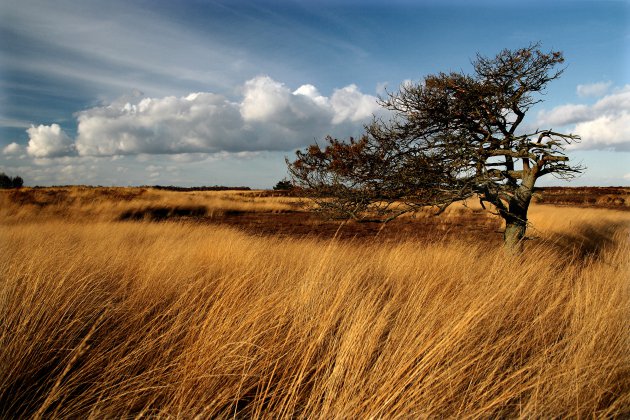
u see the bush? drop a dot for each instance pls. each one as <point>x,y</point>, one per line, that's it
<point>284,185</point>
<point>8,182</point>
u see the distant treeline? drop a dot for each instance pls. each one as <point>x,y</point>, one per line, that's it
<point>584,190</point>
<point>10,182</point>
<point>158,187</point>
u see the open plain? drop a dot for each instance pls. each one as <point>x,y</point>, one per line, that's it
<point>125,302</point>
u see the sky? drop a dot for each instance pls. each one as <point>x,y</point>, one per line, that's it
<point>209,92</point>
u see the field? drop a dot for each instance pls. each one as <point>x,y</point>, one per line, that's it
<point>125,302</point>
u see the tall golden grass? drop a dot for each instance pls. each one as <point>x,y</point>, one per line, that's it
<point>121,319</point>
<point>108,204</point>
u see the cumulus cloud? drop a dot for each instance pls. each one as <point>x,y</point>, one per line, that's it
<point>611,131</point>
<point>12,149</point>
<point>312,92</point>
<point>565,114</point>
<point>594,89</point>
<point>352,105</point>
<point>265,100</point>
<point>603,125</point>
<point>269,117</point>
<point>48,141</point>
<point>155,125</point>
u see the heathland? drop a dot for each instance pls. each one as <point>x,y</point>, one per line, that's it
<point>121,302</point>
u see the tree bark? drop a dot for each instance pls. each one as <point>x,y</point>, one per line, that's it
<point>513,236</point>
<point>516,219</point>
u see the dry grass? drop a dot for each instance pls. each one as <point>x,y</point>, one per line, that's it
<point>121,319</point>
<point>109,204</point>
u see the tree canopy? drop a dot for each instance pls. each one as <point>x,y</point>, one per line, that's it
<point>451,136</point>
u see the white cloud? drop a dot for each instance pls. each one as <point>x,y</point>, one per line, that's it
<point>12,149</point>
<point>312,92</point>
<point>603,125</point>
<point>268,117</point>
<point>188,157</point>
<point>618,100</point>
<point>200,122</point>
<point>594,89</point>
<point>73,173</point>
<point>48,141</point>
<point>565,114</point>
<point>265,99</point>
<point>607,131</point>
<point>350,104</point>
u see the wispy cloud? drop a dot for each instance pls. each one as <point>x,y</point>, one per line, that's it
<point>13,123</point>
<point>132,48</point>
<point>594,89</point>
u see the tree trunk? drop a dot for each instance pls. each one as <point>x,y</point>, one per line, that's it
<point>516,219</point>
<point>513,236</point>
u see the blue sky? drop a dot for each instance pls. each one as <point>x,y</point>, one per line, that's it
<point>219,92</point>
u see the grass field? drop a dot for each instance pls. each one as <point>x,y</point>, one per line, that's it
<point>111,308</point>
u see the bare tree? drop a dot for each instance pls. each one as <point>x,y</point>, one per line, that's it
<point>452,136</point>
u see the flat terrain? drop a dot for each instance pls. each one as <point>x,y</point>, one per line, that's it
<point>280,214</point>
<point>121,302</point>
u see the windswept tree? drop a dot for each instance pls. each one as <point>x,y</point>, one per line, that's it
<point>451,137</point>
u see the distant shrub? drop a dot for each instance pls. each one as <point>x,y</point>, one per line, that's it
<point>5,181</point>
<point>8,182</point>
<point>283,185</point>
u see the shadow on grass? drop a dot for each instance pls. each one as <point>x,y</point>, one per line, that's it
<point>589,241</point>
<point>160,213</point>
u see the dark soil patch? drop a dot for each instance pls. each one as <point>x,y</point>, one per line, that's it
<point>301,224</point>
<point>159,213</point>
